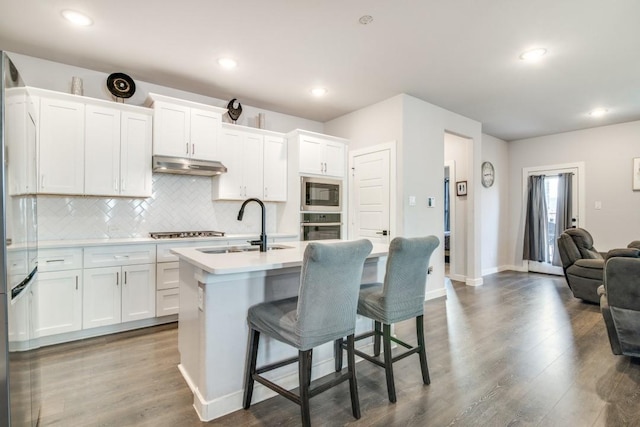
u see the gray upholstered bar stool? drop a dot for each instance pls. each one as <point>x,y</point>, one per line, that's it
<point>324,310</point>
<point>399,298</point>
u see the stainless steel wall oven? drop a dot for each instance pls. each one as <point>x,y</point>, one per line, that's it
<point>320,226</point>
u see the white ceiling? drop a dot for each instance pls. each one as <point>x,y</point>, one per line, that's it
<point>459,54</point>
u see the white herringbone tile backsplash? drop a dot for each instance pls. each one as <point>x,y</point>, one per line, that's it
<point>178,202</point>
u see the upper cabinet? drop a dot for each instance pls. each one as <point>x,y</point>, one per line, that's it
<point>117,152</point>
<point>61,146</point>
<point>320,154</point>
<point>88,146</point>
<point>256,162</point>
<point>184,128</point>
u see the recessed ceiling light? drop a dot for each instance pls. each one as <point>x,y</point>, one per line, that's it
<point>319,91</point>
<point>366,19</point>
<point>227,63</point>
<point>533,54</point>
<point>598,112</point>
<point>76,18</point>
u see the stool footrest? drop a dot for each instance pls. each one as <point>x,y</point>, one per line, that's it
<point>276,365</point>
<point>324,386</point>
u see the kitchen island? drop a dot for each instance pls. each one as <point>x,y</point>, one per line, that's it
<point>216,290</point>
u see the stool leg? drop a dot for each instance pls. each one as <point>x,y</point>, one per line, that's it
<point>388,362</point>
<point>337,354</point>
<point>376,338</point>
<point>304,377</point>
<point>353,384</point>
<point>423,352</point>
<point>252,357</point>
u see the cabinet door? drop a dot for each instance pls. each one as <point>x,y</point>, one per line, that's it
<point>20,140</point>
<point>138,292</point>
<point>229,185</point>
<point>102,151</point>
<point>171,130</point>
<point>59,302</point>
<point>135,157</point>
<point>61,147</point>
<point>334,159</point>
<point>275,169</point>
<point>205,131</point>
<point>311,155</point>
<point>252,165</point>
<point>101,296</point>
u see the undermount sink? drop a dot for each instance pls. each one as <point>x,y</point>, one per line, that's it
<point>234,249</point>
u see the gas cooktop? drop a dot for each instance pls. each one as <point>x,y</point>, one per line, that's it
<point>185,234</point>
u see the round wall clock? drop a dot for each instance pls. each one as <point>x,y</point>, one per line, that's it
<point>488,174</point>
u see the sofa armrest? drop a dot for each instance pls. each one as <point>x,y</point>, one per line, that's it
<point>623,252</point>
<point>635,244</point>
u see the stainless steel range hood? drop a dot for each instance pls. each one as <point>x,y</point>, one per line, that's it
<point>184,166</point>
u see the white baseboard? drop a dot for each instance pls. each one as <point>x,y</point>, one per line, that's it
<point>494,270</point>
<point>436,293</point>
<point>474,282</point>
<point>521,268</point>
<point>209,410</point>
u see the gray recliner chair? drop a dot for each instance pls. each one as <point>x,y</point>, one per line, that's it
<point>620,301</point>
<point>582,264</point>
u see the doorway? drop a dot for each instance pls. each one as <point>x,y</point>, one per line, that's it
<point>372,210</point>
<point>551,181</point>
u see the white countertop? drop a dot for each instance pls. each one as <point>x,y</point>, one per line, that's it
<point>242,262</point>
<point>45,244</point>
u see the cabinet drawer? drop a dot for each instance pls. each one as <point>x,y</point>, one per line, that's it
<point>167,302</point>
<point>59,259</point>
<point>108,256</point>
<point>167,275</point>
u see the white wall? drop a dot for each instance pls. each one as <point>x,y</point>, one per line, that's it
<point>418,128</point>
<point>608,153</point>
<point>495,208</point>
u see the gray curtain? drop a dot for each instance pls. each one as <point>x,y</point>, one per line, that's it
<point>536,246</point>
<point>564,212</point>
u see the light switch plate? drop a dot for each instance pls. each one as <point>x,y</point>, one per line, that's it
<point>412,200</point>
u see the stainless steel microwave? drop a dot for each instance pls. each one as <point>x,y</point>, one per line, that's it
<point>320,194</point>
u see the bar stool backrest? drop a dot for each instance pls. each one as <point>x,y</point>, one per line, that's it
<point>329,283</point>
<point>406,276</point>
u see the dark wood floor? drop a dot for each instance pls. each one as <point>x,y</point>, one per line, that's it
<point>519,350</point>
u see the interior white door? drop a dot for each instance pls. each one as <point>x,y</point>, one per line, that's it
<point>371,196</point>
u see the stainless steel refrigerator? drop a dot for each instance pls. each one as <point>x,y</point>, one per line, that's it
<point>19,370</point>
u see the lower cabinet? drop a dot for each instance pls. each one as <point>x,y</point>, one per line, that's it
<point>168,292</point>
<point>59,302</point>
<point>118,294</point>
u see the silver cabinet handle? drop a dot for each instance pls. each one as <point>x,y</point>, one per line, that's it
<point>117,279</point>
<point>125,278</point>
<point>193,149</point>
<point>121,256</point>
<point>266,192</point>
<point>76,283</point>
<point>53,260</point>
<point>187,151</point>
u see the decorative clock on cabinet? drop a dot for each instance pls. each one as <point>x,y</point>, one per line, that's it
<point>488,174</point>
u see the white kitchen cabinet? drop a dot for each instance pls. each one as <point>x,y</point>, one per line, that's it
<point>61,146</point>
<point>119,284</point>
<point>184,128</point>
<point>101,297</point>
<point>20,141</point>
<point>59,299</point>
<point>321,155</point>
<point>167,288</point>
<point>275,168</point>
<point>242,153</point>
<point>117,152</point>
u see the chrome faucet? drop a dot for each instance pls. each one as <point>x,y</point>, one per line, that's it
<point>263,237</point>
